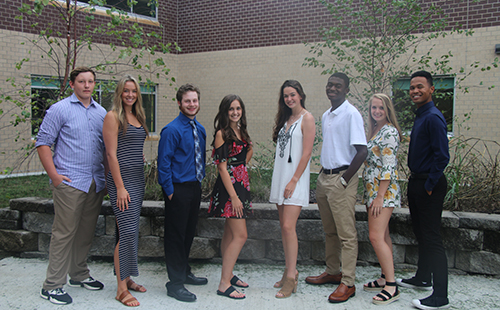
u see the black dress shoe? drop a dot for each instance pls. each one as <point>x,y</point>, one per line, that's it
<point>194,280</point>
<point>182,294</point>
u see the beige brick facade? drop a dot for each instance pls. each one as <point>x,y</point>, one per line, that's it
<point>256,74</point>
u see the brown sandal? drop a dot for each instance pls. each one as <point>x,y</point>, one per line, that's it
<point>131,285</point>
<point>124,300</point>
<point>279,284</point>
<point>289,287</point>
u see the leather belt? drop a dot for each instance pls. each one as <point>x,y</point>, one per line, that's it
<point>334,171</point>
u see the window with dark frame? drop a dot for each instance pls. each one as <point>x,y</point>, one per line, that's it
<point>443,96</point>
<point>45,92</point>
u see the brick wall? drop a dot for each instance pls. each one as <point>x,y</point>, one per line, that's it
<point>167,16</point>
<point>207,25</point>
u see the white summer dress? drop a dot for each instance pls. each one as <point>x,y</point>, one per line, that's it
<point>286,160</point>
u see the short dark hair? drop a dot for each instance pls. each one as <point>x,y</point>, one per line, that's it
<point>184,89</point>
<point>342,76</point>
<point>424,74</point>
<point>74,73</point>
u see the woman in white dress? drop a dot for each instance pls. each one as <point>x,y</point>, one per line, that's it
<point>293,133</point>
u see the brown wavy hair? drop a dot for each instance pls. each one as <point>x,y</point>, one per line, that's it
<point>221,121</point>
<point>284,112</point>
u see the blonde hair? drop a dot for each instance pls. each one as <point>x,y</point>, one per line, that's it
<point>137,108</point>
<point>389,112</point>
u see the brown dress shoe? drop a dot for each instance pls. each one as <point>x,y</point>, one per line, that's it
<point>325,278</point>
<point>342,293</point>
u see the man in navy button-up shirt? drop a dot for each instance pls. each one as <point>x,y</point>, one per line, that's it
<point>73,126</point>
<point>181,190</point>
<point>427,158</point>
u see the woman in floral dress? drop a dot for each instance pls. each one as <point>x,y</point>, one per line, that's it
<point>231,195</point>
<point>381,191</point>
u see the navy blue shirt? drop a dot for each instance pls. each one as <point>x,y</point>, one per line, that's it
<point>176,155</point>
<point>428,151</point>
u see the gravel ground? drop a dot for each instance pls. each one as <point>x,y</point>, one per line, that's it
<point>22,280</point>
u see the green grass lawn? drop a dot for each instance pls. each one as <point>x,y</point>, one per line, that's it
<point>30,186</point>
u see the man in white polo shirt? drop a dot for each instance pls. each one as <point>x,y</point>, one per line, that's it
<point>343,152</point>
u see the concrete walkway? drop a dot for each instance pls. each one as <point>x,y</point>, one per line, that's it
<point>22,279</point>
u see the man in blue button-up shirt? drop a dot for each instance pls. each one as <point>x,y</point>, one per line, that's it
<point>177,175</point>
<point>73,126</point>
<point>427,158</point>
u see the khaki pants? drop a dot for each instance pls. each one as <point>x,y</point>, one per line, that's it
<point>336,207</point>
<point>73,229</point>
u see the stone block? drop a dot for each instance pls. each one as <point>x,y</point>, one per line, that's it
<point>203,248</point>
<point>8,214</point>
<point>157,226</point>
<point>479,221</point>
<point>18,240</point>
<point>44,242</point>
<point>151,246</point>
<point>491,241</point>
<point>402,233</point>
<point>100,228</point>
<point>360,213</point>
<point>449,220</point>
<point>32,204</point>
<point>38,222</point>
<point>363,233</point>
<point>34,254</point>
<point>274,250</point>
<point>311,212</point>
<point>310,230</point>
<point>318,251</point>
<point>210,227</point>
<point>153,208</point>
<point>478,262</point>
<point>411,256</point>
<point>462,239</point>
<point>366,252</point>
<point>398,253</point>
<point>253,249</point>
<point>10,224</point>
<point>263,229</point>
<point>144,226</point>
<point>102,246</point>
<point>110,225</point>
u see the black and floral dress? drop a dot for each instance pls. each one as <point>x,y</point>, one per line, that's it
<point>235,154</point>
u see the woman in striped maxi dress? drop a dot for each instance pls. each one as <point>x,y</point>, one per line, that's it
<point>124,132</point>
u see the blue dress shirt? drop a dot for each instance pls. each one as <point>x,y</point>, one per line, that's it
<point>176,154</point>
<point>76,133</point>
<point>428,152</point>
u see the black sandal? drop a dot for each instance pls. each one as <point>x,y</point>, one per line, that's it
<point>386,297</point>
<point>234,281</point>
<point>374,286</point>
<point>228,292</point>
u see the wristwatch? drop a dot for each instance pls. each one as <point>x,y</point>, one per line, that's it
<point>343,181</point>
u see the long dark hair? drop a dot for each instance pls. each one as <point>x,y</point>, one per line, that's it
<point>284,111</point>
<point>221,121</point>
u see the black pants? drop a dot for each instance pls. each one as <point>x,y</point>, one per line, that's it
<point>426,213</point>
<point>181,217</point>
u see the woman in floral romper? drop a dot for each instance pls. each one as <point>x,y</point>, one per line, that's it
<point>381,191</point>
<point>231,195</point>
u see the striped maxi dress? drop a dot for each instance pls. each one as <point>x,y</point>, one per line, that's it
<point>130,158</point>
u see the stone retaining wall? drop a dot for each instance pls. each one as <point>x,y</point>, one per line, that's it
<point>471,239</point>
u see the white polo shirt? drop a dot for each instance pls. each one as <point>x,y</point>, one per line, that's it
<point>342,130</point>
